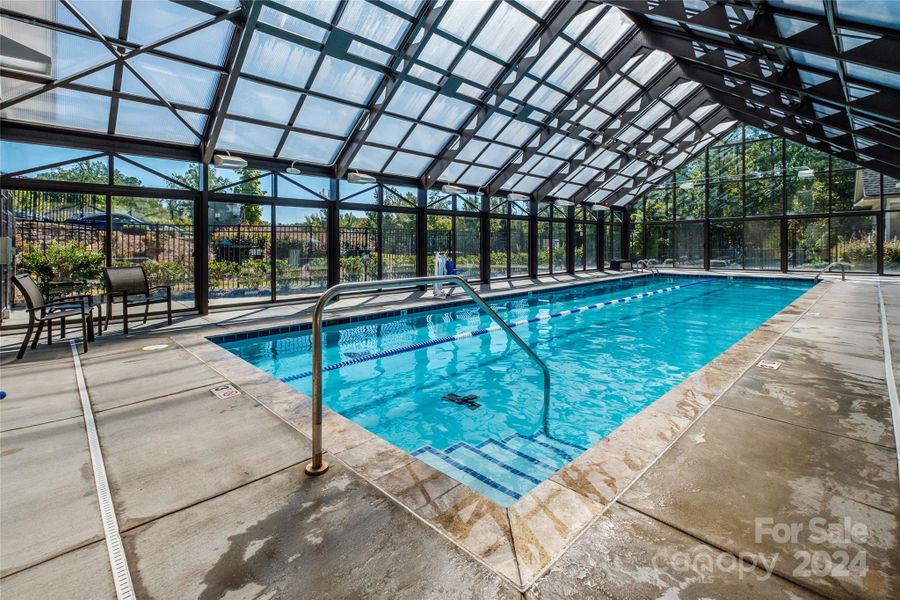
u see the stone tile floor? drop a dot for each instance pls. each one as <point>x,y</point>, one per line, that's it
<point>212,501</point>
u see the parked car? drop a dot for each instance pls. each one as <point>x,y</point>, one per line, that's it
<point>27,215</point>
<point>123,222</point>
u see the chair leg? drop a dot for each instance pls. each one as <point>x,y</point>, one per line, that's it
<point>62,328</point>
<point>108,312</point>
<point>99,318</point>
<point>85,328</point>
<point>169,304</point>
<point>90,325</point>
<point>146,311</point>
<point>37,336</point>
<point>50,333</point>
<point>125,315</point>
<point>27,337</point>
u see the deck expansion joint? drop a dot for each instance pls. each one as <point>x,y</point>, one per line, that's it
<point>889,375</point>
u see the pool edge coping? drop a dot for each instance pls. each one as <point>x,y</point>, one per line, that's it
<point>663,422</point>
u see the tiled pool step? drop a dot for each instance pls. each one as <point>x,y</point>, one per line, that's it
<point>502,469</point>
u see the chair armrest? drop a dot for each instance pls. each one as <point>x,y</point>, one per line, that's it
<point>159,287</point>
<point>70,299</point>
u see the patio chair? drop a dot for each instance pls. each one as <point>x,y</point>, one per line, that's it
<point>132,286</point>
<point>42,312</point>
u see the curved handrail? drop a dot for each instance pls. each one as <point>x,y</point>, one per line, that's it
<point>646,264</point>
<point>831,266</point>
<point>318,466</point>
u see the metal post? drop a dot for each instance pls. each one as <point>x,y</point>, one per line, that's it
<point>318,465</point>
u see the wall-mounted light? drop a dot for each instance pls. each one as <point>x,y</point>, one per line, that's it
<point>357,177</point>
<point>599,207</point>
<point>516,197</point>
<point>806,173</point>
<point>687,185</point>
<point>227,161</point>
<point>563,202</point>
<point>453,189</point>
<point>292,170</point>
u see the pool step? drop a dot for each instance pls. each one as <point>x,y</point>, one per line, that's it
<point>502,469</point>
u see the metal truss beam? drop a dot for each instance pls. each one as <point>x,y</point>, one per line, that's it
<point>555,21</point>
<point>409,49</point>
<point>582,94</point>
<point>237,52</point>
<point>757,22</point>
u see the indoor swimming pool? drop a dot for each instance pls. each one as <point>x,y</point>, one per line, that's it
<point>448,388</point>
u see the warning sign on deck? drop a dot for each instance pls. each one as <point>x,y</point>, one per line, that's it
<point>225,391</point>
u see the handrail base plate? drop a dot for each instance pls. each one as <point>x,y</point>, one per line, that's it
<point>313,471</point>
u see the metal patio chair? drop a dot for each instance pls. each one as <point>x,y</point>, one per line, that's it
<point>43,312</point>
<point>132,286</point>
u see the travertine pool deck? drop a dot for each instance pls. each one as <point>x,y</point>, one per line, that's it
<point>212,501</point>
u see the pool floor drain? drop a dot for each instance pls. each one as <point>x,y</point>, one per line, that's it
<point>468,400</point>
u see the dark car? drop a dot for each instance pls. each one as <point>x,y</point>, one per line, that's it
<point>123,222</point>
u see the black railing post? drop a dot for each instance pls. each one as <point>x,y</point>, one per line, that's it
<point>332,220</point>
<point>422,262</point>
<point>201,244</point>
<point>532,239</point>
<point>485,216</point>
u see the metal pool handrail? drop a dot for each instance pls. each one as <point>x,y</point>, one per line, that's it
<point>829,267</point>
<point>646,264</point>
<point>318,466</point>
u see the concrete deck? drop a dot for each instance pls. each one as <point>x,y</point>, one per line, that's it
<point>212,502</point>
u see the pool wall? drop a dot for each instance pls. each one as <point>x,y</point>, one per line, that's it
<point>520,541</point>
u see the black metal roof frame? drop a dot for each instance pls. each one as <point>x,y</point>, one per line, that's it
<point>734,50</point>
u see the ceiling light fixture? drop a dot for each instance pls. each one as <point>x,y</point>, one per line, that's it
<point>357,177</point>
<point>453,189</point>
<point>516,197</point>
<point>227,161</point>
<point>806,173</point>
<point>687,185</point>
<point>599,207</point>
<point>563,202</point>
<point>292,170</point>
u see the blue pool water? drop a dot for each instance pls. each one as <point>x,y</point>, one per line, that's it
<point>472,407</point>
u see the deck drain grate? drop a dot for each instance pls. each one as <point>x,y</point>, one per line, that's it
<point>468,400</point>
<point>768,364</point>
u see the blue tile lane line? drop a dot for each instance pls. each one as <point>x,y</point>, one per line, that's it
<point>491,329</point>
<point>458,465</point>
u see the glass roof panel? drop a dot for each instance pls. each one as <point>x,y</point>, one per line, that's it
<point>177,82</point>
<point>883,13</point>
<point>517,133</point>
<point>64,54</point>
<point>408,6</point>
<point>477,68</point>
<point>618,96</point>
<point>496,155</point>
<point>426,139</point>
<point>318,114</point>
<point>409,100</point>
<point>448,112</point>
<point>296,25</point>
<point>410,165</point>
<point>248,137</point>
<point>608,32</point>
<point>493,125</point>
<point>873,75</point>
<point>678,93</point>
<point>546,98</point>
<point>471,150</point>
<point>547,166</point>
<point>462,18</point>
<point>63,108</point>
<point>264,102</point>
<point>650,66</point>
<point>103,14</point>
<point>813,60</point>
<point>279,60</point>
<point>527,184</point>
<point>370,158</point>
<point>538,7</point>
<point>572,69</point>
<point>310,148</point>
<point>504,32</point>
<point>439,52</point>
<point>210,44</point>
<point>139,119</point>
<point>549,57</point>
<point>452,171</point>
<point>389,130</point>
<point>652,116</point>
<point>151,21</point>
<point>13,88</point>
<point>345,80</point>
<point>476,175</point>
<point>373,23</point>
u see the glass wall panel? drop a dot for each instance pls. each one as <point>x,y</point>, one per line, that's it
<point>689,245</point>
<point>661,244</point>
<point>499,248</point>
<point>468,247</point>
<point>725,199</point>
<point>690,200</point>
<point>359,245</point>
<point>157,234</point>
<point>543,249</point>
<point>301,250</point>
<point>398,245</point>
<point>613,249</point>
<point>590,246</point>
<point>440,238</point>
<point>762,244</point>
<point>559,247</point>
<point>60,240</point>
<point>579,246</point>
<point>844,191</point>
<point>892,243</point>
<point>240,252</point>
<point>764,196</point>
<point>636,241</point>
<point>807,193</point>
<point>853,242</point>
<point>518,247</point>
<point>763,157</point>
<point>807,244</point>
<point>726,245</point>
<point>659,204</point>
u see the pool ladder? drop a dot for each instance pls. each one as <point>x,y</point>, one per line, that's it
<point>318,465</point>
<point>646,264</point>
<point>831,266</point>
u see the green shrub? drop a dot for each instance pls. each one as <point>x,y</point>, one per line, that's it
<point>62,262</point>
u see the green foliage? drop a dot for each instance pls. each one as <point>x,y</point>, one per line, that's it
<point>892,252</point>
<point>89,171</point>
<point>62,262</point>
